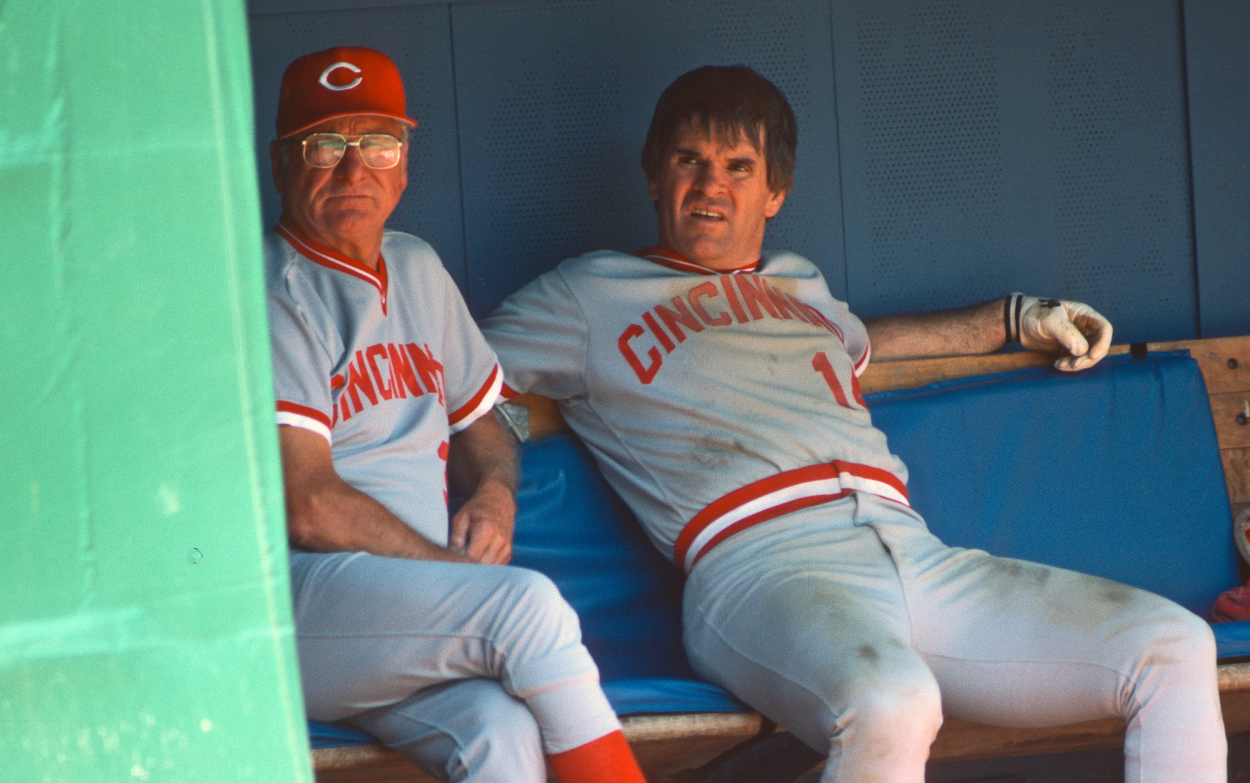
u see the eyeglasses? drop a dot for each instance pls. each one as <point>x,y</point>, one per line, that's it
<point>377,150</point>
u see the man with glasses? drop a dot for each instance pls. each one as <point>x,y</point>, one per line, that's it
<point>409,625</point>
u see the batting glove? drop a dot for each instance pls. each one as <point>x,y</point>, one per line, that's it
<point>1056,325</point>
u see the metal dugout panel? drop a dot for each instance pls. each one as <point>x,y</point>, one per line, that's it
<point>1037,145</point>
<point>949,151</point>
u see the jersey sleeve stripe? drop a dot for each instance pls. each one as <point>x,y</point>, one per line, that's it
<point>480,404</point>
<point>780,494</point>
<point>293,415</point>
<point>862,364</point>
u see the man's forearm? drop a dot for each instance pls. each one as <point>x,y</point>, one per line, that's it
<point>482,452</point>
<point>326,514</point>
<point>345,520</point>
<point>482,464</point>
<point>970,330</point>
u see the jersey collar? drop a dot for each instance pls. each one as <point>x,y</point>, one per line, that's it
<point>333,259</point>
<point>674,260</point>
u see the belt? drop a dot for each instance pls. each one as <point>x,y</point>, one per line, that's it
<point>780,494</point>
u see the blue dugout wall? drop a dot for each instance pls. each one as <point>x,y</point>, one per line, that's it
<point>950,151</point>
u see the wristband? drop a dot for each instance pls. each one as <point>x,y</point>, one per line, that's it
<point>1012,308</point>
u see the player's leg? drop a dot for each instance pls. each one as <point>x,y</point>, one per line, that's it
<point>1021,644</point>
<point>466,731</point>
<point>373,631</point>
<point>807,627</point>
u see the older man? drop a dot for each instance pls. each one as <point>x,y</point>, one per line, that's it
<point>717,386</point>
<point>409,624</point>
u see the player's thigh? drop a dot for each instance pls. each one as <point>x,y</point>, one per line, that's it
<point>379,594</point>
<point>809,637</point>
<point>1019,643</point>
<point>468,730</point>
<point>372,630</point>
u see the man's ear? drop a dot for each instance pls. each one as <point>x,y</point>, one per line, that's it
<point>653,190</point>
<point>773,205</point>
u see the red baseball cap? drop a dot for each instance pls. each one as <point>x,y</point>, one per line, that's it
<point>339,82</point>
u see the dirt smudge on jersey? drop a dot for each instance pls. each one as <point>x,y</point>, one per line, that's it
<point>711,453</point>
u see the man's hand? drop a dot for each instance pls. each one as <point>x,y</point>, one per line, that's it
<point>481,463</point>
<point>482,528</point>
<point>1051,325</point>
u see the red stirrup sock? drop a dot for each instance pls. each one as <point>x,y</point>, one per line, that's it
<point>604,760</point>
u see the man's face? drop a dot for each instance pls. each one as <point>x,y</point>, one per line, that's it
<point>346,206</point>
<point>712,199</point>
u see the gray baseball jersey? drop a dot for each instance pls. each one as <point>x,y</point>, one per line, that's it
<point>387,365</point>
<point>385,378</point>
<point>712,401</point>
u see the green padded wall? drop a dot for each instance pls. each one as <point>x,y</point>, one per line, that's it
<point>145,629</point>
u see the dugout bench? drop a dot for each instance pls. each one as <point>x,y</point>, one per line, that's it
<point>1167,423</point>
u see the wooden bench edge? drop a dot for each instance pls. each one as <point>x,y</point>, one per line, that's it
<point>649,728</point>
<point>958,739</point>
<point>638,730</point>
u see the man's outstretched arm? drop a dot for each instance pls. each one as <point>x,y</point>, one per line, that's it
<point>326,514</point>
<point>1048,325</point>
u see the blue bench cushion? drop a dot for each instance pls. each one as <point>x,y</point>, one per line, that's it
<point>572,526</point>
<point>1232,641</point>
<point>334,735</point>
<point>1114,471</point>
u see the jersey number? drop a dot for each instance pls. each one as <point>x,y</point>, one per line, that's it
<point>820,363</point>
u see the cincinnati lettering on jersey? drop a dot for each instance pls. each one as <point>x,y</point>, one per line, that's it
<point>729,299</point>
<point>385,372</point>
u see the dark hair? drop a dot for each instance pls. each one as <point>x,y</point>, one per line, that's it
<point>731,101</point>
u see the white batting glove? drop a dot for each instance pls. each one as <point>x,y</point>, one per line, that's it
<point>1051,325</point>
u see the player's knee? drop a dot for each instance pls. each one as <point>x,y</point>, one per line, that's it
<point>903,708</point>
<point>886,729</point>
<point>538,641</point>
<point>1186,640</point>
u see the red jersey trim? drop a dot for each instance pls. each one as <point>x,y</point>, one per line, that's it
<point>672,260</point>
<point>480,403</point>
<point>332,259</point>
<point>862,364</point>
<point>294,415</point>
<point>780,494</point>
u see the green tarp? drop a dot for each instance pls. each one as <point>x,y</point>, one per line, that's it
<point>145,629</point>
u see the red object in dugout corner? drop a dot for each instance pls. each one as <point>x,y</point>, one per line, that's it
<point>1232,605</point>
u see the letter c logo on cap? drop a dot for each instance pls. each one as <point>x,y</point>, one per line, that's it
<point>325,77</point>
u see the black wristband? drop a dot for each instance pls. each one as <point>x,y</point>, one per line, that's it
<point>1011,317</point>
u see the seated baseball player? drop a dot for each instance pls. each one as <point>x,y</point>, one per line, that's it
<point>717,387</point>
<point>409,625</point>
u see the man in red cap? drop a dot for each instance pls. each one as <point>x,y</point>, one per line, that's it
<point>409,624</point>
